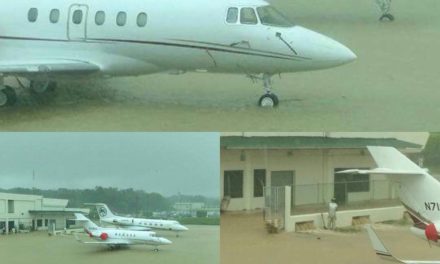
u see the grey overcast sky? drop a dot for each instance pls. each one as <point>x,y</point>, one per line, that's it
<point>167,163</point>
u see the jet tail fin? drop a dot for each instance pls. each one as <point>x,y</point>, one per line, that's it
<point>103,210</point>
<point>391,159</point>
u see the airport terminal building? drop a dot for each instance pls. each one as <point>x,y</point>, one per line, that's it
<point>308,163</point>
<point>34,212</point>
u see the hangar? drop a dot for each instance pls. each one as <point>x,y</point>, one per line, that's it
<point>252,163</point>
<point>22,212</point>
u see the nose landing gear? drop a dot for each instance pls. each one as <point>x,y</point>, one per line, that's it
<point>268,99</point>
<point>385,7</point>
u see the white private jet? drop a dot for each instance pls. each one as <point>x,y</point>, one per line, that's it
<point>115,238</point>
<point>418,190</point>
<point>107,216</point>
<point>44,41</point>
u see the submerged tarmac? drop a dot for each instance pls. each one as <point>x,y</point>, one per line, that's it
<point>394,84</point>
<point>199,245</point>
<point>244,240</point>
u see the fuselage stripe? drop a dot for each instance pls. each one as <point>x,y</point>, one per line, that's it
<point>103,40</point>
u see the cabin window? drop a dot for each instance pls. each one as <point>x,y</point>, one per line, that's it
<point>54,16</point>
<point>77,17</point>
<point>232,16</point>
<point>248,16</point>
<point>33,14</point>
<point>121,19</point>
<point>142,20</point>
<point>272,17</point>
<point>100,18</point>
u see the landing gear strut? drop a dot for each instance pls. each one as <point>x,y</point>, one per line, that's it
<point>269,99</point>
<point>385,7</point>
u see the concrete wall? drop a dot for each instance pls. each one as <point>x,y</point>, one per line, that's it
<point>345,218</point>
<point>310,166</point>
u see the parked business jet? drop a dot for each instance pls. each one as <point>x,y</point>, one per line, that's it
<point>383,252</point>
<point>418,190</point>
<point>107,216</point>
<point>44,41</point>
<point>115,238</point>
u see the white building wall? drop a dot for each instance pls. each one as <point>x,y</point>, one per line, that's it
<point>310,168</point>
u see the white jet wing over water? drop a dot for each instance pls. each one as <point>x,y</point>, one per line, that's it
<point>382,251</point>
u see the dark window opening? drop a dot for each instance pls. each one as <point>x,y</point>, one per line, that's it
<point>259,182</point>
<point>233,184</point>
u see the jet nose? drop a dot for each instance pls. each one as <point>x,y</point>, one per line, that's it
<point>340,53</point>
<point>182,228</point>
<point>323,51</point>
<point>165,241</point>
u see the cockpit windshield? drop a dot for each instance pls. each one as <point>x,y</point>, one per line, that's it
<point>270,16</point>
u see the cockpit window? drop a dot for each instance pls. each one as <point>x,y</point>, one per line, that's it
<point>270,16</point>
<point>232,16</point>
<point>248,16</point>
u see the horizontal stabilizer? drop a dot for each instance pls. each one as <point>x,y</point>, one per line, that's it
<point>384,171</point>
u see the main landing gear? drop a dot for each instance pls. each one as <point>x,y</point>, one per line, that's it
<point>268,99</point>
<point>39,89</point>
<point>8,96</point>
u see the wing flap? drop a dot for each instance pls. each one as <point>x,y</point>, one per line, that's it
<point>48,67</point>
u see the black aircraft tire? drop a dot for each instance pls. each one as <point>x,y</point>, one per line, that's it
<point>389,17</point>
<point>268,100</point>
<point>11,96</point>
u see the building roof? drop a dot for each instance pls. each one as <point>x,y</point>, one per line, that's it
<point>22,197</point>
<point>293,142</point>
<point>64,211</point>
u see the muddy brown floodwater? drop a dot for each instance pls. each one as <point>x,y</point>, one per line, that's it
<point>244,240</point>
<point>394,84</point>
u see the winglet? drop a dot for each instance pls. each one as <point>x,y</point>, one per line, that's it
<point>377,244</point>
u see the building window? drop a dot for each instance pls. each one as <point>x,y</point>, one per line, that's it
<point>232,16</point>
<point>353,182</point>
<point>54,16</point>
<point>33,14</point>
<point>121,19</point>
<point>142,20</point>
<point>39,222</point>
<point>77,17</point>
<point>11,208</point>
<point>46,222</point>
<point>233,184</point>
<point>259,182</point>
<point>248,16</point>
<point>100,18</point>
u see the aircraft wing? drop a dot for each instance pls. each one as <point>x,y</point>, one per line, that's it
<point>60,66</point>
<point>108,242</point>
<point>382,251</point>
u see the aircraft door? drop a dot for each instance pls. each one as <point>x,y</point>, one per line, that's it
<point>77,22</point>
